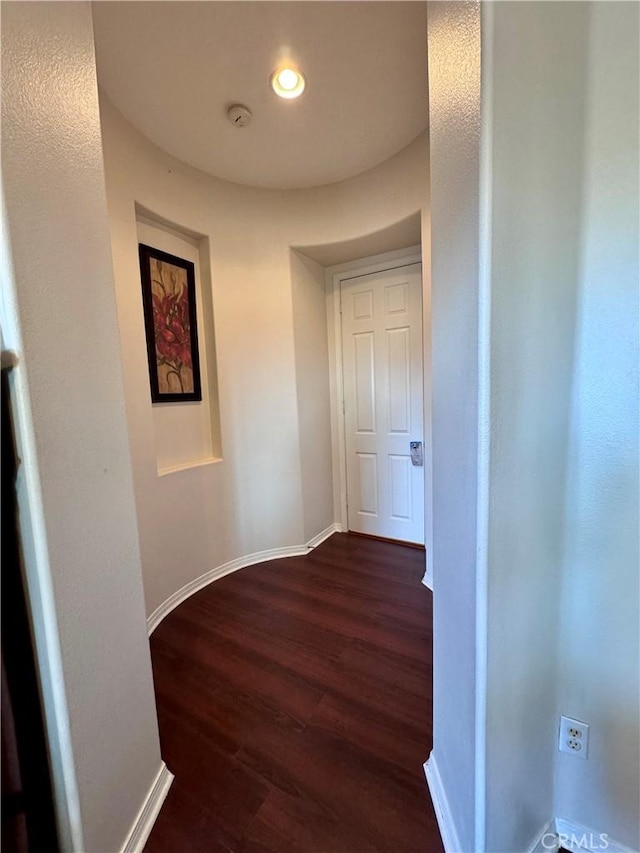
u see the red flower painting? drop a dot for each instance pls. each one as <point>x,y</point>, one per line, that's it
<point>168,295</point>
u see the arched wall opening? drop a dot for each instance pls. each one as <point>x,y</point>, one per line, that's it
<point>262,495</point>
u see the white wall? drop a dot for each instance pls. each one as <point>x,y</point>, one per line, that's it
<point>427,331</point>
<point>261,494</point>
<point>538,60</point>
<point>454,103</point>
<point>600,640</point>
<point>76,495</point>
<point>312,387</point>
<point>563,534</point>
<point>553,248</point>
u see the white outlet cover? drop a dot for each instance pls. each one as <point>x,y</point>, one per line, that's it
<point>573,737</point>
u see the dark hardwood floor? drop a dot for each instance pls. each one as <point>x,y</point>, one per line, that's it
<point>294,700</point>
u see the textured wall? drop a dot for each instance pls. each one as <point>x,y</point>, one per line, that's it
<point>454,103</point>
<point>600,640</point>
<point>563,632</point>
<point>538,59</point>
<point>72,428</point>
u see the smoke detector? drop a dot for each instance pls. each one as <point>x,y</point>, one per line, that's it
<point>239,115</point>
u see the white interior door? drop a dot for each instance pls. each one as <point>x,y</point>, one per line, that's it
<point>382,375</point>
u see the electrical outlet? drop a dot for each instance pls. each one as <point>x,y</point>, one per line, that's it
<point>574,737</point>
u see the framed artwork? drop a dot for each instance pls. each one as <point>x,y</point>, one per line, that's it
<point>169,302</point>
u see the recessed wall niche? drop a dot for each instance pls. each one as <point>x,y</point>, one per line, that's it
<point>187,434</point>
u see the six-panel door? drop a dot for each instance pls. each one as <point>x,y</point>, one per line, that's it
<point>382,373</point>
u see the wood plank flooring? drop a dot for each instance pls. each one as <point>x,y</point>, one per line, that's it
<point>294,702</point>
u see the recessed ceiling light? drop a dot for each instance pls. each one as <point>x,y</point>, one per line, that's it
<point>288,83</point>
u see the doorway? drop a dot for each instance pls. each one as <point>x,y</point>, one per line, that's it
<point>379,396</point>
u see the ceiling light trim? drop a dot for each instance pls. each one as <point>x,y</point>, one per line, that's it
<point>288,83</point>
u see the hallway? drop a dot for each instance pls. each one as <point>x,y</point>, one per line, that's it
<point>294,703</point>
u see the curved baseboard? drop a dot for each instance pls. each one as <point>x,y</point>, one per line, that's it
<point>232,566</point>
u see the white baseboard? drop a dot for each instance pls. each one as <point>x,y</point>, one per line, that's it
<point>448,831</point>
<point>326,533</point>
<point>427,580</point>
<point>546,840</point>
<point>560,833</point>
<point>150,810</point>
<point>214,574</point>
<point>579,839</point>
<point>557,833</point>
<point>232,566</point>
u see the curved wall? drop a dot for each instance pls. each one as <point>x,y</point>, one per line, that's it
<point>270,334</point>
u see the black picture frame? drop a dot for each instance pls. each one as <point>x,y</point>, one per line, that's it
<point>171,326</point>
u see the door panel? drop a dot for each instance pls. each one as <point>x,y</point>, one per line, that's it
<point>368,484</point>
<point>382,372</point>
<point>365,380</point>
<point>400,487</point>
<point>398,357</point>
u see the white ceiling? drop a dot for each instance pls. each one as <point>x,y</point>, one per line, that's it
<point>401,235</point>
<point>173,68</point>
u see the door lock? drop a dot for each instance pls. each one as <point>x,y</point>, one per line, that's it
<point>415,448</point>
